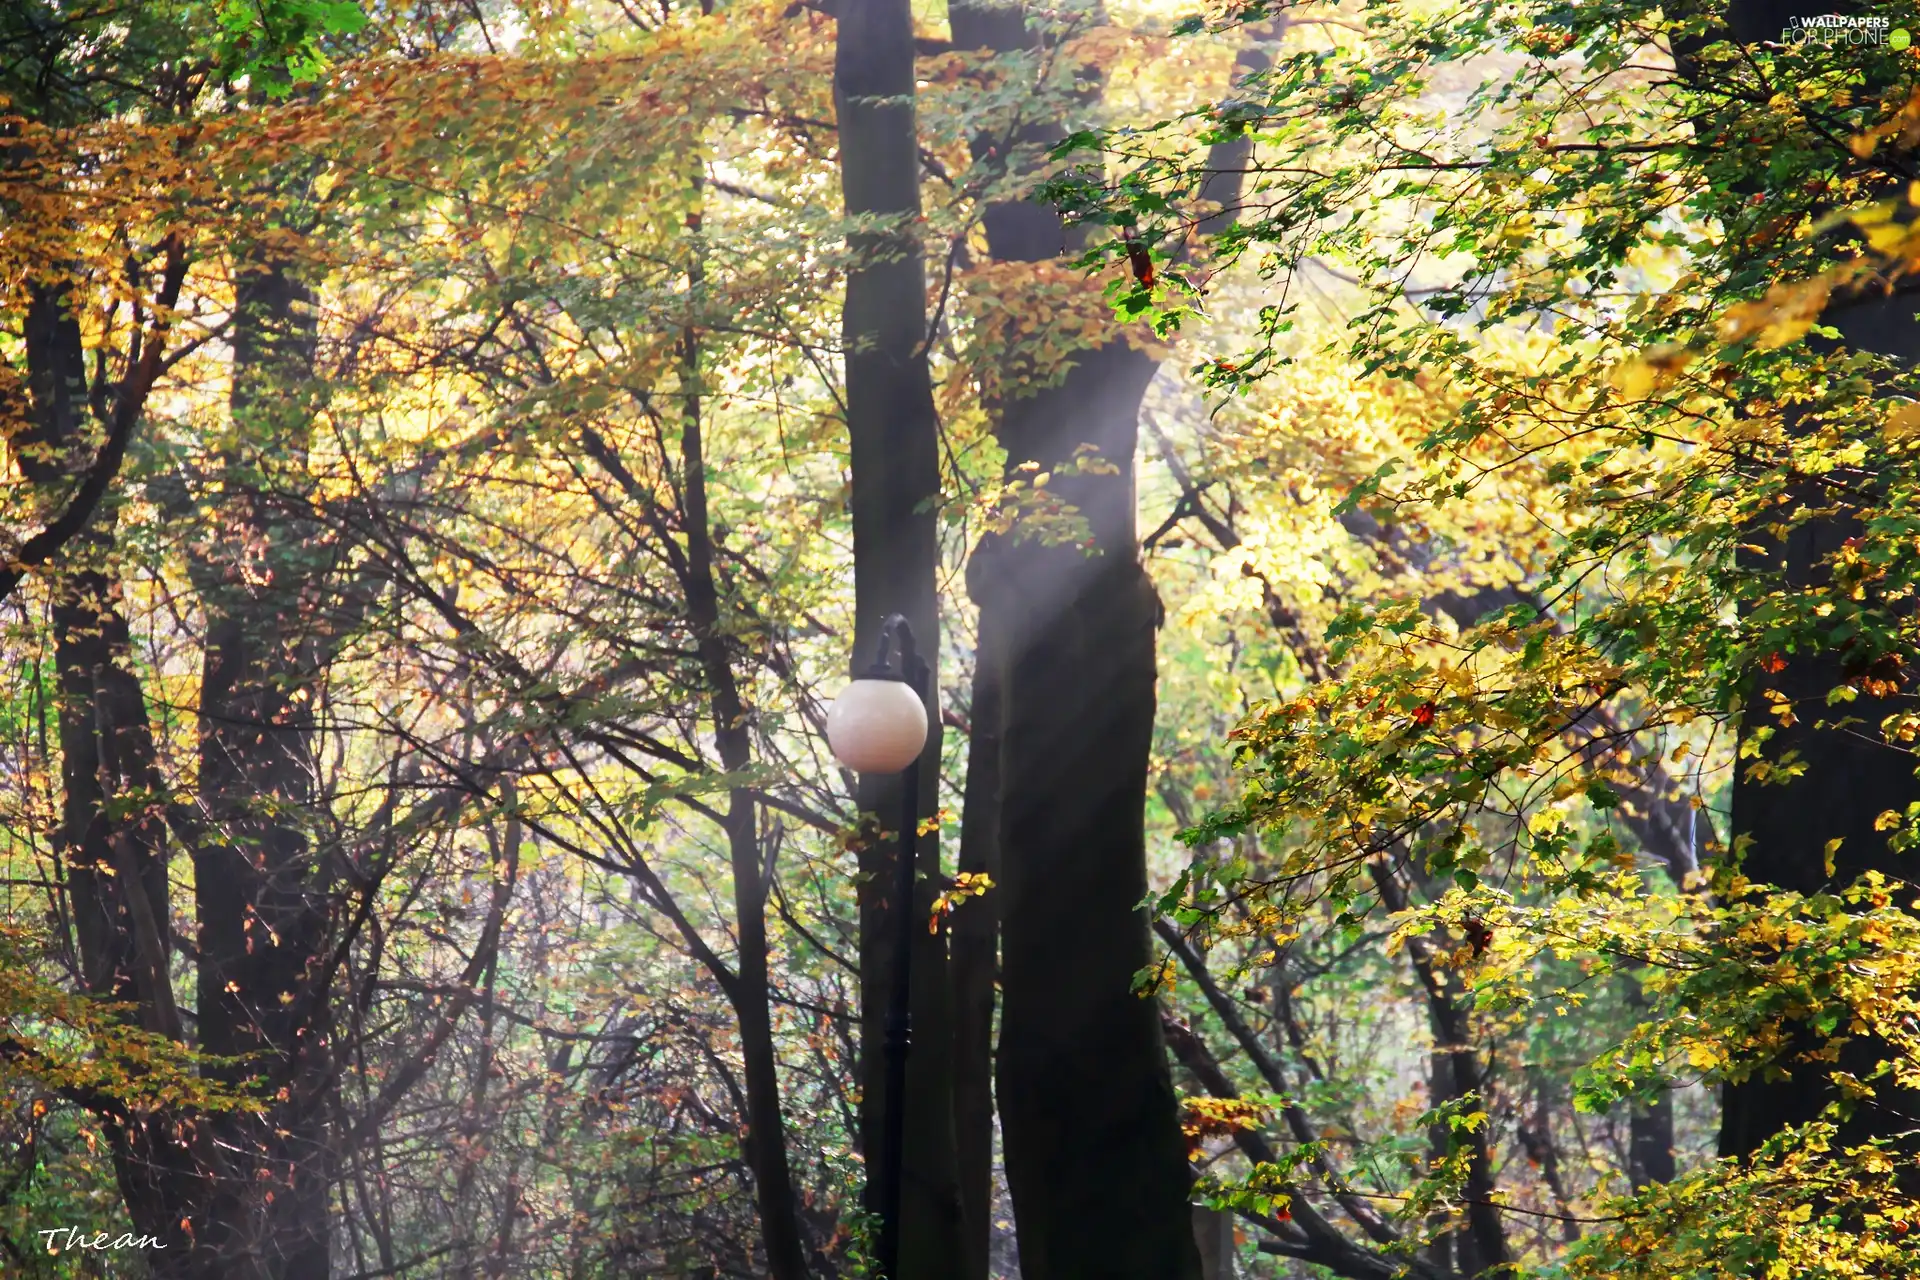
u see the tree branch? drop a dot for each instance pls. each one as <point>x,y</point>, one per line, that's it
<point>128,406</point>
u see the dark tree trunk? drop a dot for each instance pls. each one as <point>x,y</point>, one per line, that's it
<point>976,958</point>
<point>263,885</point>
<point>1479,1245</point>
<point>111,838</point>
<point>1851,776</point>
<point>1084,1089</point>
<point>1083,1085</point>
<point>1650,1141</point>
<point>106,744</point>
<point>199,1182</point>
<point>893,433</point>
<point>976,925</point>
<point>1649,1122</point>
<point>748,989</point>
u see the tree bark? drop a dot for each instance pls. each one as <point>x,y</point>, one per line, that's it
<point>1083,1084</point>
<point>976,925</point>
<point>105,740</point>
<point>893,430</point>
<point>111,838</point>
<point>749,991</point>
<point>1851,775</point>
<point>263,885</point>
<point>1650,1141</point>
<point>57,378</point>
<point>1850,778</point>
<point>1213,1233</point>
<point>1650,1122</point>
<point>1455,1073</point>
<point>976,958</point>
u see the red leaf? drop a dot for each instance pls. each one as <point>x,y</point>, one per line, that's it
<point>1142,262</point>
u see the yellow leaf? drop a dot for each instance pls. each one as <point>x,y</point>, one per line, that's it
<point>1904,422</point>
<point>1654,368</point>
<point>1783,315</point>
<point>1886,237</point>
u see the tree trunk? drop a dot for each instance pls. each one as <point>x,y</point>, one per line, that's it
<point>1213,1232</point>
<point>1650,1141</point>
<point>1851,776</point>
<point>263,885</point>
<point>1479,1245</point>
<point>976,958</point>
<point>1649,1123</point>
<point>976,925</point>
<point>766,1133</point>
<point>111,839</point>
<point>893,433</point>
<point>106,744</point>
<point>1084,1089</point>
<point>1083,1083</point>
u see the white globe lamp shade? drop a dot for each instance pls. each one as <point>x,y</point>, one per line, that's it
<point>877,726</point>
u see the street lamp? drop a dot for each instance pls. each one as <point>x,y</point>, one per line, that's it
<point>878,724</point>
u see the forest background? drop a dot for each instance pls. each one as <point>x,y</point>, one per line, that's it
<point>1410,505</point>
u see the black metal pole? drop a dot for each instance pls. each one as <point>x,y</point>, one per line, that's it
<point>893,1136</point>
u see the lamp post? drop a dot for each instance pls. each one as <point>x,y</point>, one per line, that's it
<point>878,724</point>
